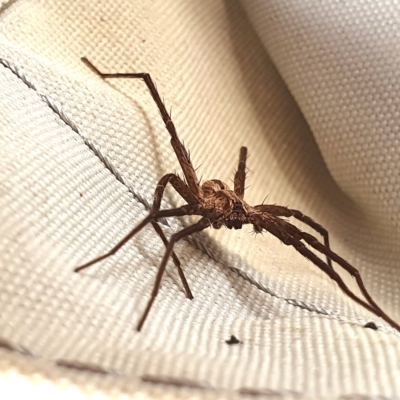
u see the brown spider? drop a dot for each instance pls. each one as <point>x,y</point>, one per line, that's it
<point>220,206</point>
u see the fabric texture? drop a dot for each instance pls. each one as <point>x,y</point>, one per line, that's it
<point>310,87</point>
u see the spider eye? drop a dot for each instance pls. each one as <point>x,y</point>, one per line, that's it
<point>237,206</point>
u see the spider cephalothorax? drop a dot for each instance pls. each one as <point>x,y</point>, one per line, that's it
<point>224,206</point>
<point>218,206</point>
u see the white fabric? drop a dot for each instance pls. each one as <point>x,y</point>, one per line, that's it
<point>276,76</point>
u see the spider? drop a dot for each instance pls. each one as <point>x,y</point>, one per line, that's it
<point>219,206</point>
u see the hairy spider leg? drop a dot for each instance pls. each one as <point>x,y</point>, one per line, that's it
<point>179,148</point>
<point>313,242</point>
<point>175,212</point>
<point>289,233</point>
<point>199,226</point>
<point>175,258</point>
<point>281,211</point>
<point>240,176</point>
<point>180,186</point>
<point>176,144</point>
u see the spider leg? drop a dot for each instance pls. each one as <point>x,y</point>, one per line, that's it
<point>175,212</point>
<point>281,211</point>
<point>179,148</point>
<point>313,242</point>
<point>240,176</point>
<point>185,192</point>
<point>290,235</point>
<point>199,226</point>
<point>175,258</point>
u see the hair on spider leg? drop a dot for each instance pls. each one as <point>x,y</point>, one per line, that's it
<point>265,198</point>
<point>255,233</point>
<point>217,205</point>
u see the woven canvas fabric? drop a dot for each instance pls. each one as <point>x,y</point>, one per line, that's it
<point>309,87</point>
